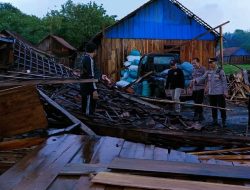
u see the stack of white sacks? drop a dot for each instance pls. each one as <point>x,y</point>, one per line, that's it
<point>130,74</point>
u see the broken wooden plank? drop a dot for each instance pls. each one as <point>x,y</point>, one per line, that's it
<point>130,97</point>
<point>105,155</point>
<point>83,169</point>
<point>51,165</point>
<point>220,151</point>
<point>85,128</point>
<point>225,157</point>
<point>62,131</point>
<point>30,163</point>
<point>138,80</point>
<point>126,180</point>
<point>45,81</point>
<point>180,168</point>
<point>182,103</point>
<point>21,143</point>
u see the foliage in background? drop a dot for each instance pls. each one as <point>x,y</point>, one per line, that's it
<point>75,23</point>
<point>239,38</point>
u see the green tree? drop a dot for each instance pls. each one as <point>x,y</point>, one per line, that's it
<point>30,27</point>
<point>78,22</point>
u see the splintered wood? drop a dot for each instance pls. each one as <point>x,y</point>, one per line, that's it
<point>238,87</point>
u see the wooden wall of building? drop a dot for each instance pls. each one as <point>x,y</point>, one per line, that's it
<point>20,111</point>
<point>112,52</point>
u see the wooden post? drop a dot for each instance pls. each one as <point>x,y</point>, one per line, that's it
<point>221,46</point>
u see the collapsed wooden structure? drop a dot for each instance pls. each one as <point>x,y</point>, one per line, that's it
<point>24,57</point>
<point>72,162</point>
<point>63,149</point>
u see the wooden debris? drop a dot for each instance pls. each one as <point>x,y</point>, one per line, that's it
<point>173,168</point>
<point>135,181</point>
<point>183,103</point>
<point>20,143</point>
<point>43,81</point>
<point>86,129</point>
<point>237,87</point>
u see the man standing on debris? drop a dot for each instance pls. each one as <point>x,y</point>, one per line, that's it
<point>198,89</point>
<point>88,70</point>
<point>217,89</point>
<point>175,83</point>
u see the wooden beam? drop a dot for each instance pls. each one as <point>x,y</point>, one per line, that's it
<point>197,37</point>
<point>225,157</point>
<point>45,81</point>
<point>138,80</point>
<point>182,103</point>
<point>220,151</point>
<point>135,181</point>
<point>130,97</point>
<point>82,169</point>
<point>85,128</point>
<point>181,168</point>
<point>21,143</point>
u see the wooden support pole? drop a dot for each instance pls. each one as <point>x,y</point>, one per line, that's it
<point>197,37</point>
<point>221,47</point>
<point>183,103</point>
<point>138,80</point>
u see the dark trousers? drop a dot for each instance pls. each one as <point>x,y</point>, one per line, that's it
<point>88,104</point>
<point>198,97</point>
<point>218,101</point>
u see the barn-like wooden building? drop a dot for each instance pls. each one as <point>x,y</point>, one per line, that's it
<point>235,55</point>
<point>155,27</point>
<point>61,49</point>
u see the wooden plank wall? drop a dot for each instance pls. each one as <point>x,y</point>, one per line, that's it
<point>20,111</point>
<point>112,52</point>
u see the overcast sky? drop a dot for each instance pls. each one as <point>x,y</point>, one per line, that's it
<point>214,12</point>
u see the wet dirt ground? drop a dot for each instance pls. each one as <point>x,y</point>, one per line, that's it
<point>237,119</point>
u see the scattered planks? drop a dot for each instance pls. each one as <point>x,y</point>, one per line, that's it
<point>135,181</point>
<point>85,128</point>
<point>21,111</point>
<point>180,168</point>
<point>20,143</point>
<point>237,87</point>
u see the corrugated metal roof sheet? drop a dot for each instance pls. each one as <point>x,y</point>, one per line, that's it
<point>160,19</point>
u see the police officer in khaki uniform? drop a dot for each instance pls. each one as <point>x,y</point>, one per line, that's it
<point>217,89</point>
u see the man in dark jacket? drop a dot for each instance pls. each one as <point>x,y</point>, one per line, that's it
<point>175,83</point>
<point>88,70</point>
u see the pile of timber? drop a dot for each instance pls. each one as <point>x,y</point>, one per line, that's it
<point>126,116</point>
<point>235,155</point>
<point>238,87</point>
<point>81,162</point>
